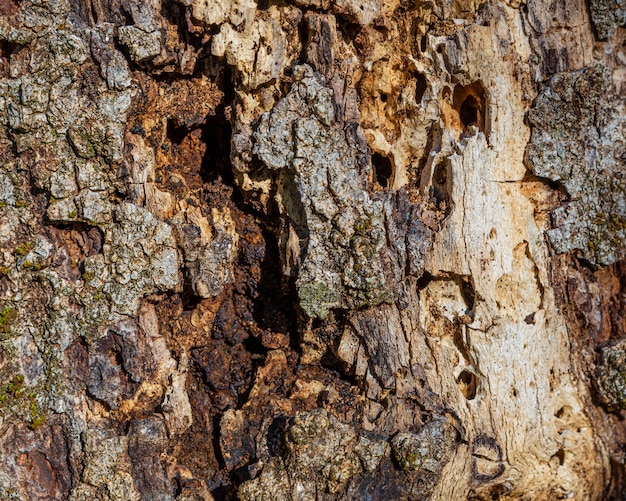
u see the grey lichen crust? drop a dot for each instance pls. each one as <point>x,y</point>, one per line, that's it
<point>321,451</point>
<point>579,125</point>
<point>139,257</point>
<point>324,456</point>
<point>607,16</point>
<point>208,250</point>
<point>79,138</point>
<point>342,266</point>
<point>79,249</point>
<point>611,375</point>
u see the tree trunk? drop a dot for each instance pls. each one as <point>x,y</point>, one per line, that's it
<point>312,250</point>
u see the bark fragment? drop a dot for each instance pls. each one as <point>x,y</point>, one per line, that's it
<point>267,250</point>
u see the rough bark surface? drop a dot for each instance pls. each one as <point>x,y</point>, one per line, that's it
<point>312,250</point>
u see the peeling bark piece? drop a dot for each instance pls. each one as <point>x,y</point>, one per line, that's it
<point>342,267</point>
<point>323,455</point>
<point>142,46</point>
<point>113,66</point>
<point>142,257</point>
<point>611,375</point>
<point>272,485</point>
<point>263,51</point>
<point>236,444</point>
<point>37,461</point>
<point>108,381</point>
<point>409,239</point>
<point>239,13</point>
<point>429,449</point>
<point>209,249</point>
<point>107,465</point>
<point>145,13</point>
<point>147,440</point>
<point>579,124</point>
<point>387,348</point>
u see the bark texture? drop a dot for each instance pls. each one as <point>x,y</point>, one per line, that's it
<point>312,250</point>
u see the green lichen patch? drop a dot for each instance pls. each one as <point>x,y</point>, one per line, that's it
<point>30,266</point>
<point>16,398</point>
<point>7,315</point>
<point>23,249</point>
<point>88,276</point>
<point>316,299</point>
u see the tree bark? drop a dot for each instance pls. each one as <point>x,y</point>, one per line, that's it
<point>312,250</point>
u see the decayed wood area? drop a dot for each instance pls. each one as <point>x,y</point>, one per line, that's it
<point>303,249</point>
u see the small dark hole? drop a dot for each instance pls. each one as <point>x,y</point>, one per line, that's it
<point>222,492</point>
<point>383,98</point>
<point>469,111</point>
<point>303,33</point>
<point>383,170</point>
<point>6,49</point>
<point>561,456</point>
<point>424,280</point>
<point>241,474</point>
<point>255,345</point>
<point>420,87</point>
<point>469,102</point>
<point>138,129</point>
<point>560,412</point>
<point>467,383</point>
<point>440,49</point>
<point>468,293</point>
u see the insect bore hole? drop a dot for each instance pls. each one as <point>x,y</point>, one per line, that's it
<point>383,170</point>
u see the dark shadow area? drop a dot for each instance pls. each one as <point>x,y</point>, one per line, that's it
<point>468,292</point>
<point>276,437</point>
<point>441,185</point>
<point>275,307</point>
<point>6,49</point>
<point>469,111</point>
<point>176,134</point>
<point>383,170</point>
<point>421,85</point>
<point>216,133</point>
